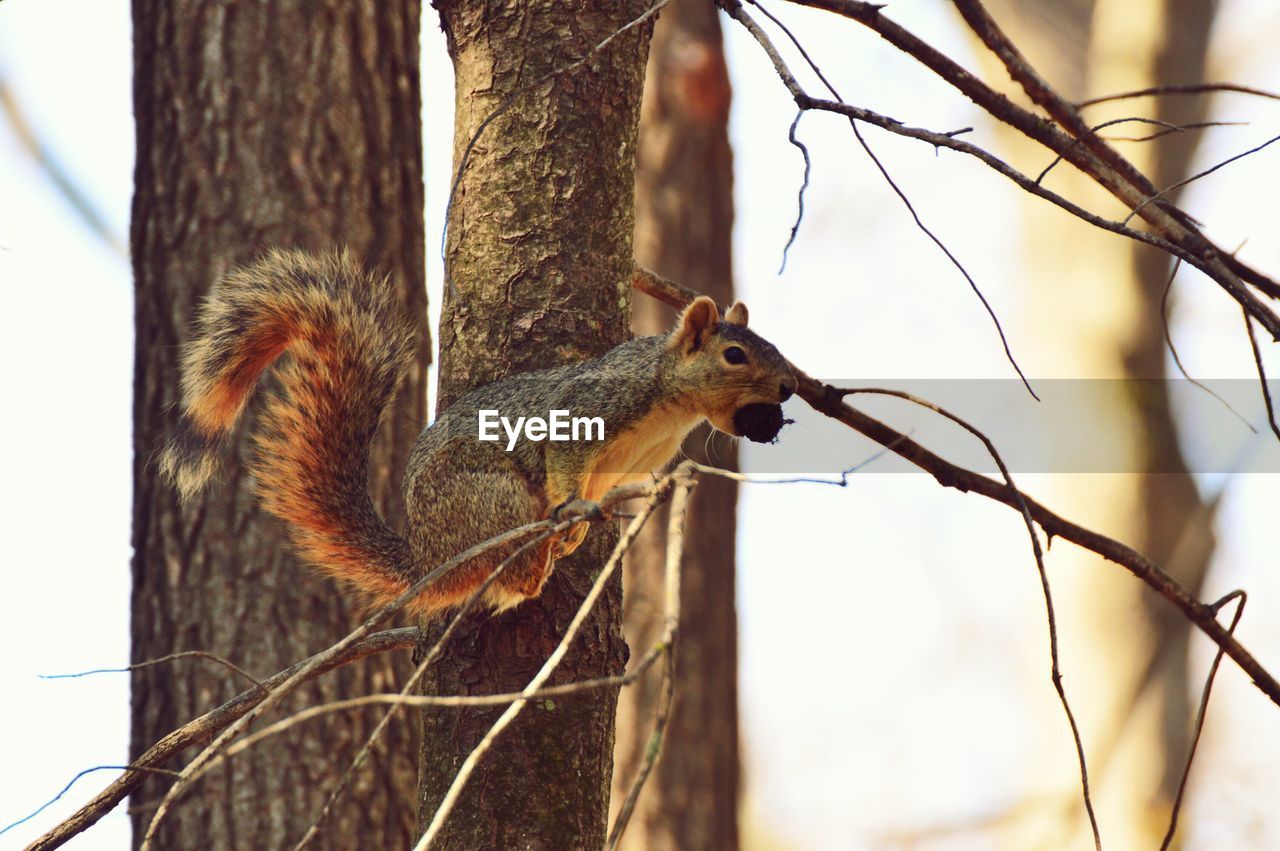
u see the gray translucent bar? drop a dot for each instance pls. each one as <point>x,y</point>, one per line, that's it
<point>1079,426</point>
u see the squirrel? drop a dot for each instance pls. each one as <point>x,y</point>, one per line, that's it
<point>348,343</point>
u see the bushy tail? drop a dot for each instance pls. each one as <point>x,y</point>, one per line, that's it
<point>348,345</point>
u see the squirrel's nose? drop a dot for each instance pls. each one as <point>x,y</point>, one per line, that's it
<point>785,389</point>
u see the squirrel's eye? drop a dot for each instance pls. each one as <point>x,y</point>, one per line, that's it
<point>735,355</point>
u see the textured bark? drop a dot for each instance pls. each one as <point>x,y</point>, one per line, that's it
<point>295,124</point>
<point>684,216</point>
<point>539,259</point>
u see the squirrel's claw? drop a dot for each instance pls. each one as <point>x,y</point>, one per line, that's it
<point>577,509</point>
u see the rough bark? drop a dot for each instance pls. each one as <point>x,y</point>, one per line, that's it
<point>294,124</point>
<point>538,259</point>
<point>684,217</point>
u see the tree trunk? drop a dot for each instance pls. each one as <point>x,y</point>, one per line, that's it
<point>1177,527</point>
<point>1132,695</point>
<point>292,124</point>
<point>538,260</point>
<point>684,216</point>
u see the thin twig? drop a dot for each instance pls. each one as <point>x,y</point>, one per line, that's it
<point>740,15</point>
<point>1025,511</point>
<point>657,494</point>
<point>841,482</point>
<point>804,184</point>
<point>1262,375</point>
<point>1182,128</point>
<point>414,590</point>
<point>1102,163</point>
<point>1179,89</point>
<point>204,728</point>
<point>671,632</point>
<point>66,185</point>
<point>1173,350</point>
<point>72,782</point>
<point>1198,727</point>
<point>419,701</point>
<point>1163,192</point>
<point>826,400</point>
<point>336,792</point>
<point>184,654</point>
<point>1168,126</point>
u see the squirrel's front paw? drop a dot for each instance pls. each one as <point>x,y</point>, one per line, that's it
<point>577,509</point>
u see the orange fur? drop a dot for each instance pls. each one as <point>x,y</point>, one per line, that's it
<point>338,344</point>
<point>636,453</point>
<point>345,346</point>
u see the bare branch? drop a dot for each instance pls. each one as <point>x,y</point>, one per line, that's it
<point>1187,244</point>
<point>656,495</point>
<point>1055,671</point>
<point>1097,160</point>
<point>72,782</point>
<point>826,400</point>
<point>1262,375</point>
<point>206,726</point>
<point>1163,192</point>
<point>1173,350</point>
<point>1179,89</point>
<point>230,719</point>
<point>804,184</point>
<point>184,654</point>
<point>675,549</point>
<point>741,16</point>
<point>422,665</point>
<point>1198,727</point>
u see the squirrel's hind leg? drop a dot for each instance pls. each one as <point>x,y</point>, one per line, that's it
<point>524,578</point>
<point>459,496</point>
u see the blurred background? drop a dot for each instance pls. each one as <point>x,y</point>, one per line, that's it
<point>894,671</point>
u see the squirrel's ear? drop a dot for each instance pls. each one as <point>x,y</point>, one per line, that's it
<point>737,315</point>
<point>699,318</point>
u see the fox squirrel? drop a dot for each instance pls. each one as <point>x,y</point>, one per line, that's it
<point>350,343</point>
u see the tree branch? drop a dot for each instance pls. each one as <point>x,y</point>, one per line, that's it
<point>826,400</point>
<point>226,722</point>
<point>204,728</point>
<point>1097,160</point>
<point>1179,89</point>
<point>657,494</point>
<point>678,515</point>
<point>1051,617</point>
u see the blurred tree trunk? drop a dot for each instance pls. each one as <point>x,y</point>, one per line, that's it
<point>1124,650</point>
<point>281,123</point>
<point>539,262</point>
<point>684,216</point>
